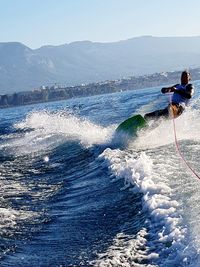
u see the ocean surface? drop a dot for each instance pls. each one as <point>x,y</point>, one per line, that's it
<point>72,194</point>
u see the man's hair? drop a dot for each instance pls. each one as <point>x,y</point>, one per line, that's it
<point>185,72</point>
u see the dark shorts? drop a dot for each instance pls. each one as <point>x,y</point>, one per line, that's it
<point>173,110</point>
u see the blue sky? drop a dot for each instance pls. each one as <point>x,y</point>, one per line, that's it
<point>42,22</point>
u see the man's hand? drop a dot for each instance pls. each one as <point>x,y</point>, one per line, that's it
<point>168,89</point>
<point>164,90</point>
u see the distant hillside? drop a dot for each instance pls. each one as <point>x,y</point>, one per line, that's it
<point>56,93</point>
<point>22,68</point>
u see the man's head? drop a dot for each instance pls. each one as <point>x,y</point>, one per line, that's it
<point>185,77</point>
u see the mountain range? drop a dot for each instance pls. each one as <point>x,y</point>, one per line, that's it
<point>23,68</point>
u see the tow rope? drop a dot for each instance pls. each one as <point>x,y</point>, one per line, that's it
<point>179,151</point>
<point>177,145</point>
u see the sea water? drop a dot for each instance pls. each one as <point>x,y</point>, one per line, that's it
<point>71,196</point>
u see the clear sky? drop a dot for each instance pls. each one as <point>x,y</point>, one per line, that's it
<point>42,22</point>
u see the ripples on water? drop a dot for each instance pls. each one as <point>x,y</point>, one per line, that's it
<point>71,197</point>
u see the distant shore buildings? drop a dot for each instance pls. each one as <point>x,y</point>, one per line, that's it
<point>57,92</point>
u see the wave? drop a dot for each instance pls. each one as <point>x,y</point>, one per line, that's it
<point>166,239</point>
<point>44,130</point>
<point>163,240</point>
<point>187,128</point>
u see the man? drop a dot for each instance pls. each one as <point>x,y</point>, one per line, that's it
<point>180,99</point>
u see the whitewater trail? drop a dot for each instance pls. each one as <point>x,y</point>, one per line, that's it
<point>166,238</point>
<point>164,233</point>
<point>187,125</point>
<point>46,130</point>
<point>163,240</point>
<point>49,129</point>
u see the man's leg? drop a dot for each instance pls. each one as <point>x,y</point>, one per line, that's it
<point>157,114</point>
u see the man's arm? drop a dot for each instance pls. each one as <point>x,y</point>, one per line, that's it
<point>187,93</point>
<point>168,89</point>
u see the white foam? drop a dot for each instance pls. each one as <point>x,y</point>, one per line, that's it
<point>51,129</point>
<point>127,252</point>
<point>10,218</point>
<point>187,128</point>
<point>46,159</point>
<point>163,225</point>
<point>13,187</point>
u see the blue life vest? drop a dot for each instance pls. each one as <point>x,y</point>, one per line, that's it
<point>179,99</point>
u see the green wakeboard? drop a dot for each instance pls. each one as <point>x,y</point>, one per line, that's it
<point>132,125</point>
